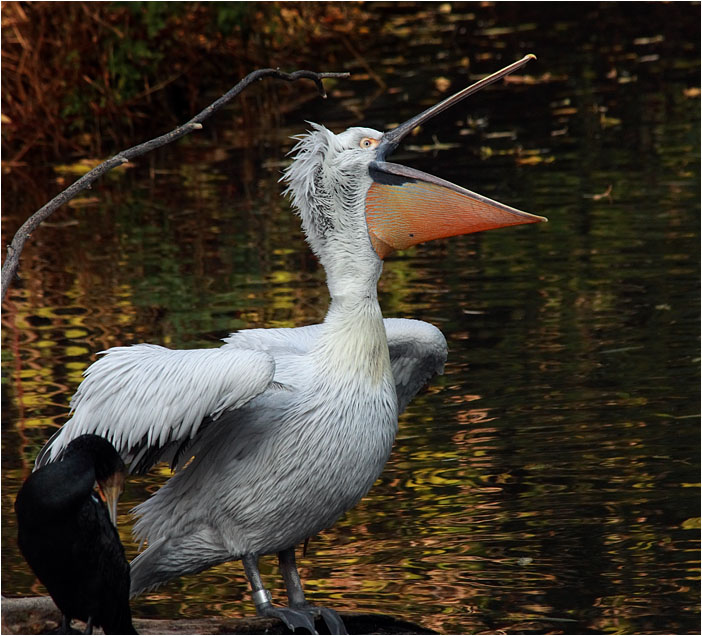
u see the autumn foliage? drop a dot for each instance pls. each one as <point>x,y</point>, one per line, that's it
<point>87,77</point>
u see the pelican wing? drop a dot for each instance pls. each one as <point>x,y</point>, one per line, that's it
<point>417,353</point>
<point>417,350</point>
<point>149,400</point>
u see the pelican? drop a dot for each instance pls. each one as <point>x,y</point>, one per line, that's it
<point>277,433</point>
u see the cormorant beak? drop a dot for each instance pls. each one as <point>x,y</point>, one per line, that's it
<point>406,206</point>
<point>111,489</point>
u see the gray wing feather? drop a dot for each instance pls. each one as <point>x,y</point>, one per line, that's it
<point>149,400</point>
<point>288,340</point>
<point>418,352</point>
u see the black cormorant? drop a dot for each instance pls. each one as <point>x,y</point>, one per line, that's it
<point>67,534</point>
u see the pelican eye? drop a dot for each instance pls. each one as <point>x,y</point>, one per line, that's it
<point>368,142</point>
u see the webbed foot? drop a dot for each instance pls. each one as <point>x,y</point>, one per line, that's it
<point>294,619</point>
<point>299,614</point>
<point>330,617</point>
<point>303,617</point>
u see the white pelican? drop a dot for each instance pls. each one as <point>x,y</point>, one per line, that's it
<point>277,433</point>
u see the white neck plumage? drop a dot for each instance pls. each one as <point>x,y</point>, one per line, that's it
<point>354,343</point>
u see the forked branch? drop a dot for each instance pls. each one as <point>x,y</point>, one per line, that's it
<point>14,249</point>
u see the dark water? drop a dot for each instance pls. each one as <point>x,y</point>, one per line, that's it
<point>548,482</point>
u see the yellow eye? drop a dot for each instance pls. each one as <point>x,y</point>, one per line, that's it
<point>368,142</point>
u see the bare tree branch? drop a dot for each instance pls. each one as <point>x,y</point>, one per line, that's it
<point>14,249</point>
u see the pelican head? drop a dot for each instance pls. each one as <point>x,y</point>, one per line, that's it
<point>328,181</point>
<point>348,194</point>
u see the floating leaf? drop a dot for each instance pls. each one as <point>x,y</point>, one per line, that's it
<point>534,159</point>
<point>442,84</point>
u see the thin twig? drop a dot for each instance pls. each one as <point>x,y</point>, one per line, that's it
<point>14,249</point>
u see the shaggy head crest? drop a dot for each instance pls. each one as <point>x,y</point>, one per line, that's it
<point>304,178</point>
<point>324,178</point>
<point>308,154</point>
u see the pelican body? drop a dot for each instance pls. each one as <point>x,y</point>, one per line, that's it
<point>278,432</point>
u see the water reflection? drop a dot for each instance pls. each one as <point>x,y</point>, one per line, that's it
<point>545,483</point>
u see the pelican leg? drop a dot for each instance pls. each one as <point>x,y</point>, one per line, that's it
<point>293,618</point>
<point>296,595</point>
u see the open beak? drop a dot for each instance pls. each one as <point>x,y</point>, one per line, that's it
<point>111,489</point>
<point>406,206</point>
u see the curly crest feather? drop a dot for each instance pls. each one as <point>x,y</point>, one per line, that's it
<point>327,180</point>
<point>306,189</point>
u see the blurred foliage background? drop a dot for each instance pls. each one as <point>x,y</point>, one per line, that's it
<point>86,77</point>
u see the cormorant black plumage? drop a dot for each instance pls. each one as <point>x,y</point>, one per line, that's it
<point>66,535</point>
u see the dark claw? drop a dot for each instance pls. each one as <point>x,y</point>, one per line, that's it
<point>293,618</point>
<point>333,621</point>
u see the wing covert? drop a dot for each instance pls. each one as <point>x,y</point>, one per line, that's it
<point>147,399</point>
